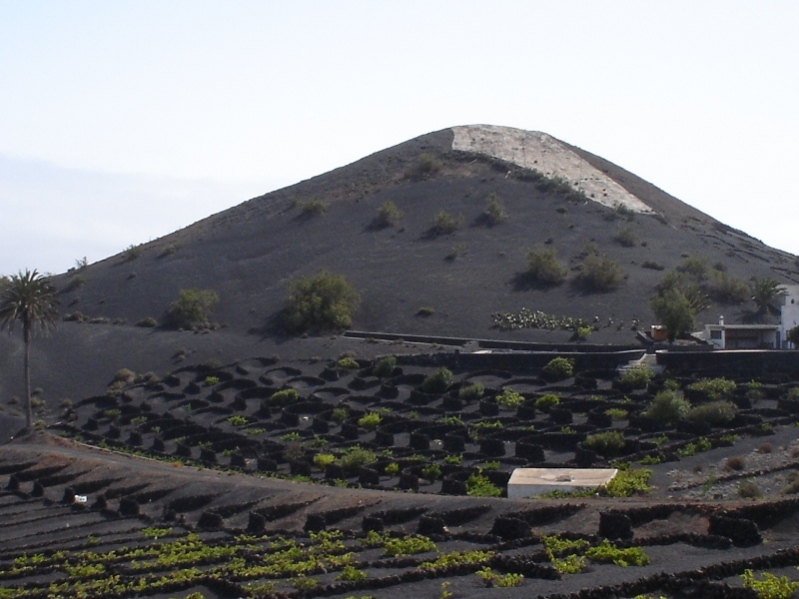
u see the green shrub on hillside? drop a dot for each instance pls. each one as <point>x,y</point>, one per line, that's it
<point>626,237</point>
<point>192,308</point>
<point>495,211</point>
<point>388,215</point>
<point>445,223</point>
<point>674,311</point>
<point>312,207</point>
<point>426,166</point>
<point>544,267</point>
<point>324,302</point>
<point>599,274</point>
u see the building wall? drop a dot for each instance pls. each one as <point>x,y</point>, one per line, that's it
<point>790,309</point>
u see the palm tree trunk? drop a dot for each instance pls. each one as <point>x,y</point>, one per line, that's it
<point>26,333</point>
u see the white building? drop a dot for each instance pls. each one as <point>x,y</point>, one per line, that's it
<point>758,336</point>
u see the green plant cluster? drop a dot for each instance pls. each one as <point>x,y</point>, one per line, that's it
<point>568,555</point>
<point>438,381</point>
<point>492,579</point>
<point>192,308</point>
<point>324,302</point>
<point>478,485</point>
<point>509,398</point>
<point>558,369</point>
<point>607,444</point>
<point>535,319</point>
<point>713,388</point>
<point>637,377</point>
<point>769,586</point>
<point>544,267</point>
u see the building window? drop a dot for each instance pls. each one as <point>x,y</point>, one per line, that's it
<point>715,335</point>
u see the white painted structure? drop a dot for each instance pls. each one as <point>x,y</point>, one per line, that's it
<point>529,482</point>
<point>758,336</point>
<point>789,312</point>
<point>743,336</point>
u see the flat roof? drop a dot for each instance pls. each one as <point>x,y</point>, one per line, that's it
<point>562,477</point>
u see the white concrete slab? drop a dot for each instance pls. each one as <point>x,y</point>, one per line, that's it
<point>529,482</point>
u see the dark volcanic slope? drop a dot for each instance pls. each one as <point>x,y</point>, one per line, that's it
<point>249,253</point>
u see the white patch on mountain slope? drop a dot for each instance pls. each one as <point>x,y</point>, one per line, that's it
<point>547,155</point>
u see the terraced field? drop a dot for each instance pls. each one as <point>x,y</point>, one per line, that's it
<point>380,478</point>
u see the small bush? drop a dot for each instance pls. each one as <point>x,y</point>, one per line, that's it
<point>284,397</point>
<point>509,398</point>
<point>431,472</point>
<point>667,407</point>
<point>492,579</point>
<point>637,378</point>
<point>495,211</point>
<point>439,381</point>
<point>770,586</point>
<point>192,308</point>
<point>410,545</point>
<point>312,208</point>
<point>749,490</point>
<point>471,392</point>
<point>425,167</point>
<point>355,457</point>
<point>715,413</point>
<point>544,268</point>
<point>606,552</point>
<point>370,421</point>
<point>617,413</point>
<point>148,323</point>
<point>445,223</point>
<point>736,463</point>
<point>322,460</point>
<point>323,302</point>
<point>478,485</point>
<point>388,215</point>
<point>425,311</point>
<point>729,290</point>
<point>385,367</point>
<point>599,274</point>
<point>351,573</point>
<point>558,369</point>
<point>628,482</point>
<point>713,389</point>
<point>607,444</point>
<point>545,402</point>
<point>348,363</point>
<point>626,237</point>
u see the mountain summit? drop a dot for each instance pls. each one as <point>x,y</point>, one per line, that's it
<point>436,236</point>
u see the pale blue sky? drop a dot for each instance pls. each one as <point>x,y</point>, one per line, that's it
<point>124,120</point>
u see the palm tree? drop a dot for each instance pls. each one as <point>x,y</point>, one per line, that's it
<point>28,298</point>
<point>764,292</point>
